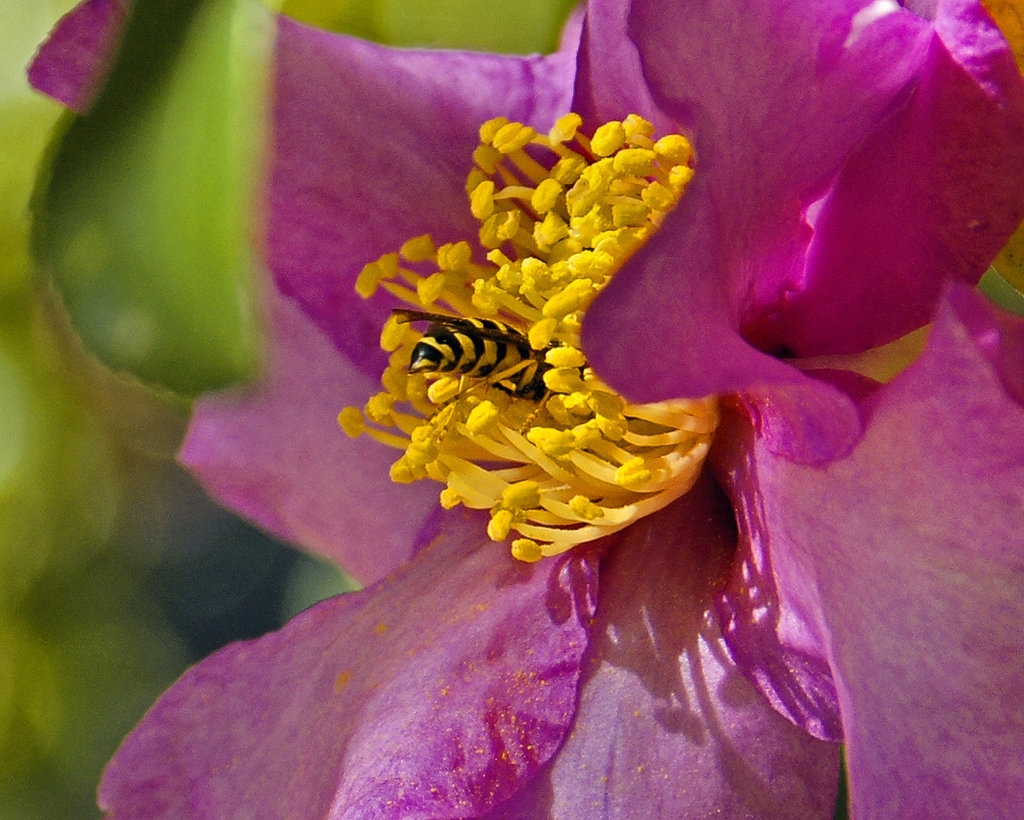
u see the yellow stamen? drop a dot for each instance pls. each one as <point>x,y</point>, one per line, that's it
<point>540,442</point>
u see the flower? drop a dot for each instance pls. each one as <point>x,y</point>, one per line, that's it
<point>850,568</point>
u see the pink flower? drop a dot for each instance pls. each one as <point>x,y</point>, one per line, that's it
<point>850,569</point>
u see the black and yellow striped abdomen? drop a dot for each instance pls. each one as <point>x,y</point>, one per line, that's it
<point>480,349</point>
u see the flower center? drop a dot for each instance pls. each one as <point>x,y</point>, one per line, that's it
<point>487,389</point>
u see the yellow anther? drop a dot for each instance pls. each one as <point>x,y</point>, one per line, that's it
<point>509,278</point>
<point>613,427</point>
<point>490,128</point>
<point>499,228</point>
<point>674,149</point>
<point>545,196</point>
<point>555,405</point>
<point>481,201</point>
<point>542,333</point>
<point>630,213</point>
<point>609,412</point>
<point>496,257</point>
<point>638,130</point>
<point>421,434</point>
<point>443,390</point>
<point>486,296</point>
<point>536,273</point>
<point>487,157</point>
<point>589,266</point>
<point>599,176</point>
<point>421,453</point>
<point>553,442</point>
<point>680,176</point>
<point>658,197</point>
<point>455,256</point>
<point>638,162</point>
<point>523,495</point>
<point>351,421</point>
<point>482,417</point>
<point>587,227</point>
<point>565,128</point>
<point>402,473</point>
<point>550,231</point>
<point>608,139</point>
<point>568,169</point>
<point>400,384</point>
<point>565,356</point>
<point>418,249</point>
<point>582,198</point>
<point>379,407</point>
<point>510,227</point>
<point>632,474</point>
<point>564,380</point>
<point>500,524</point>
<point>577,403</point>
<point>527,550</point>
<point>512,137</point>
<point>585,508</point>
<point>436,471</point>
<point>476,176</point>
<point>586,434</point>
<point>575,296</point>
<point>450,498</point>
<point>372,274</point>
<point>393,334</point>
<point>431,288</point>
<point>616,242</point>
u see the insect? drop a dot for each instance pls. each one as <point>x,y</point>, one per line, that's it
<point>478,348</point>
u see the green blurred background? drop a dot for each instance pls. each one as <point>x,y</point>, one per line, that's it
<point>117,572</point>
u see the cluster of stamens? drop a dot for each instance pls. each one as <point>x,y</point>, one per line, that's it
<point>558,213</point>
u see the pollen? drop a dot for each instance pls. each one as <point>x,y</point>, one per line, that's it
<point>502,408</point>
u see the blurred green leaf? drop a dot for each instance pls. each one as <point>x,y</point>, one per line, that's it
<point>144,221</point>
<point>514,26</point>
<point>354,17</point>
<point>526,26</point>
<point>311,580</point>
<point>1002,292</point>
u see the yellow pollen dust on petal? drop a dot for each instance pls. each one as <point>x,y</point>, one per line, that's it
<point>508,416</point>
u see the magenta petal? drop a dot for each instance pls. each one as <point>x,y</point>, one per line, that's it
<point>773,101</point>
<point>780,101</point>
<point>610,83</point>
<point>667,726</point>
<point>914,549</point>
<point>697,350</point>
<point>373,146</point>
<point>276,453</point>
<point>775,95</point>
<point>434,694</point>
<point>934,193</point>
<point>72,63</point>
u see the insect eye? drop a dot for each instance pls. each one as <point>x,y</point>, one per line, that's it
<point>425,357</point>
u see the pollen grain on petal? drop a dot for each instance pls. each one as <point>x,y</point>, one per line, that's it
<point>487,390</point>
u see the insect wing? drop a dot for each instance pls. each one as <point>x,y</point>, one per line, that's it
<point>481,328</point>
<point>405,315</point>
